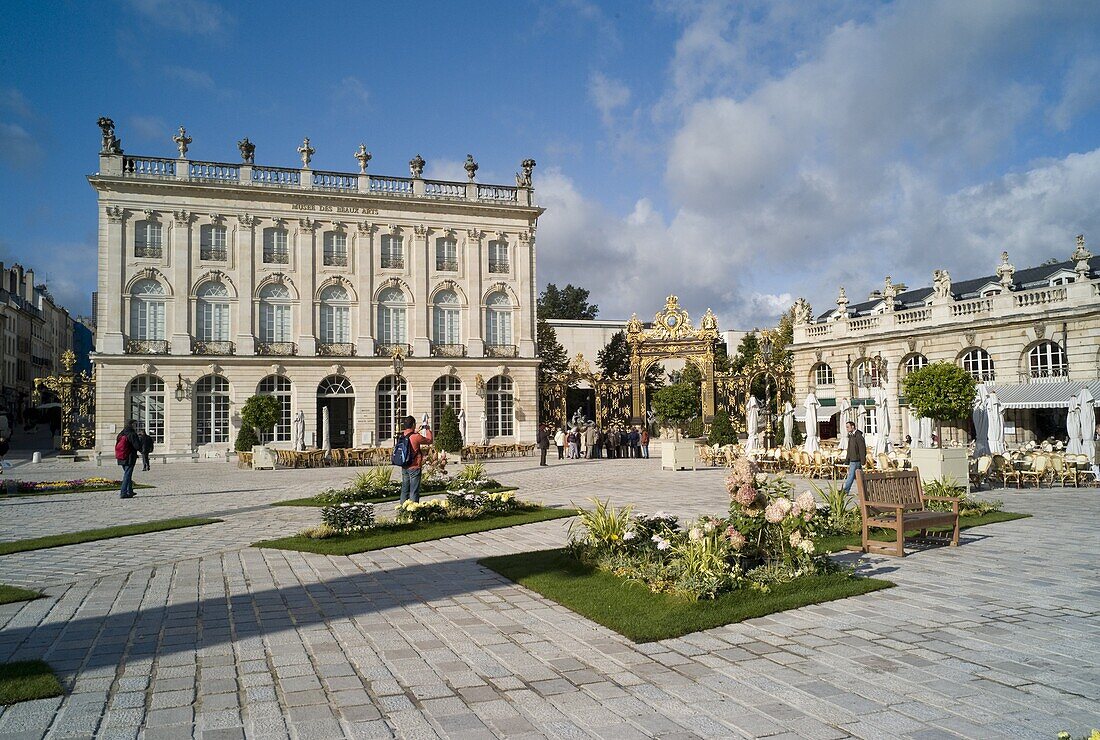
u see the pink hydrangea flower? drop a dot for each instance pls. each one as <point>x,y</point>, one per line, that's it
<point>746,495</point>
<point>737,540</point>
<point>795,538</point>
<point>807,503</point>
<point>774,513</point>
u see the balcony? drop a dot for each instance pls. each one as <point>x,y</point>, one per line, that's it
<point>276,258</point>
<point>448,350</point>
<point>154,251</point>
<point>202,347</point>
<point>146,346</point>
<point>1048,375</point>
<point>501,350</point>
<point>277,349</point>
<point>386,349</point>
<point>336,260</point>
<point>446,265</point>
<point>335,349</point>
<point>499,266</point>
<point>390,262</point>
<point>213,254</point>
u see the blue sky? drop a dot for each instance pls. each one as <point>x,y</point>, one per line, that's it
<point>739,154</point>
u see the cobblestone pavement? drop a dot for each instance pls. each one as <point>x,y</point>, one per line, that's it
<point>193,633</point>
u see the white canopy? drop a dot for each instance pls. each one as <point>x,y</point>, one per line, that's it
<point>788,425</point>
<point>980,417</point>
<point>882,416</point>
<point>1088,424</point>
<point>300,431</point>
<point>1073,427</point>
<point>845,409</point>
<point>326,442</point>
<point>752,421</point>
<point>813,443</point>
<point>996,428</point>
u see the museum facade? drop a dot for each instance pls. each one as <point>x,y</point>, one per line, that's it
<point>370,296</point>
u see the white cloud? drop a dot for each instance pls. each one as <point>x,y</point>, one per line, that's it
<point>350,96</point>
<point>150,128</point>
<point>191,77</point>
<point>193,17</point>
<point>14,102</point>
<point>18,148</point>
<point>607,95</point>
<point>1079,93</point>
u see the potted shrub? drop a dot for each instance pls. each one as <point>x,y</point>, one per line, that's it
<point>449,436</point>
<point>260,413</point>
<point>940,391</point>
<point>677,404</point>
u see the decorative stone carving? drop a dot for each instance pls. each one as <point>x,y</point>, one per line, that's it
<point>1082,257</point>
<point>416,166</point>
<point>817,355</point>
<point>912,343</point>
<point>114,214</point>
<point>182,218</point>
<point>525,237</point>
<point>471,167</point>
<point>306,152</point>
<point>279,278</point>
<point>364,158</point>
<point>182,142</point>
<point>447,285</point>
<point>420,230</point>
<point>214,368</point>
<point>523,178</point>
<point>392,282</point>
<point>475,234</point>
<point>1040,330</point>
<point>276,369</point>
<point>842,302</point>
<point>215,217</point>
<point>889,294</point>
<point>802,311</point>
<point>150,214</point>
<point>502,236</point>
<point>365,227</point>
<point>336,368</point>
<point>941,284</point>
<point>1005,271</point>
<point>111,144</point>
<point>394,229</point>
<point>246,220</point>
<point>970,337</point>
<point>248,151</point>
<point>307,223</point>
<point>147,368</point>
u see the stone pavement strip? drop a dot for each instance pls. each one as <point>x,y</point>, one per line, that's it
<point>191,633</point>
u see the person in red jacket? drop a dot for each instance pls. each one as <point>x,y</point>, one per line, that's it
<point>410,476</point>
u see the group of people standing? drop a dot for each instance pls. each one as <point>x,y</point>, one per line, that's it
<point>589,442</point>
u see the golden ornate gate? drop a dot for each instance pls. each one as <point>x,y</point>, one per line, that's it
<point>613,395</point>
<point>76,394</point>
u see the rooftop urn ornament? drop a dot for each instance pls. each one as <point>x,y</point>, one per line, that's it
<point>1005,271</point>
<point>523,180</point>
<point>182,142</point>
<point>471,166</point>
<point>248,151</point>
<point>111,143</point>
<point>1082,257</point>
<point>307,153</point>
<point>416,166</point>
<point>364,158</point>
<point>842,302</point>
<point>890,293</point>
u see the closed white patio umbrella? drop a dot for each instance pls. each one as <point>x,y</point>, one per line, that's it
<point>813,442</point>
<point>299,431</point>
<point>788,425</point>
<point>752,419</point>
<point>1088,425</point>
<point>980,418</point>
<point>326,442</point>
<point>843,417</point>
<point>1073,427</point>
<point>996,429</point>
<point>882,416</point>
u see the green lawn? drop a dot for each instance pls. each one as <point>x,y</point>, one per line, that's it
<point>634,611</point>
<point>11,594</point>
<point>316,501</point>
<point>841,541</point>
<point>107,533</point>
<point>26,680</point>
<point>78,489</point>
<point>393,535</point>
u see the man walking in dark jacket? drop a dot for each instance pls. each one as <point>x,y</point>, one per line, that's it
<point>542,439</point>
<point>127,447</point>
<point>857,453</point>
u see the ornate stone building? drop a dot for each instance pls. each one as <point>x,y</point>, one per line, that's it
<point>1034,334</point>
<point>218,281</point>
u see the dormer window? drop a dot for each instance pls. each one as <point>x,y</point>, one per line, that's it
<point>991,292</point>
<point>1062,277</point>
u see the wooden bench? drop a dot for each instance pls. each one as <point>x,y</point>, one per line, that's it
<point>895,500</point>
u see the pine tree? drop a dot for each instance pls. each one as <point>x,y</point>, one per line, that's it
<point>721,430</point>
<point>246,439</point>
<point>449,437</point>
<point>614,359</point>
<point>553,359</point>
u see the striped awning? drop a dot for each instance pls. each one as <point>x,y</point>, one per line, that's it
<point>1043,395</point>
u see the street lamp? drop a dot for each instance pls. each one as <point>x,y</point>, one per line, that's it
<point>767,344</point>
<point>180,393</point>
<point>398,366</point>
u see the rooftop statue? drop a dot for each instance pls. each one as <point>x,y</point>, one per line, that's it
<point>111,144</point>
<point>248,150</point>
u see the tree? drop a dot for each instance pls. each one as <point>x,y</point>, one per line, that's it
<point>261,412</point>
<point>449,437</point>
<point>552,356</point>
<point>721,430</point>
<point>614,359</point>
<point>570,302</point>
<point>940,391</point>
<point>246,439</point>
<point>676,404</point>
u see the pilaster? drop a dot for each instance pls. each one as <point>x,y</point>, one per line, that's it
<point>305,252</point>
<point>475,259</point>
<point>245,235</point>
<point>364,253</point>
<point>112,280</point>
<point>180,272</point>
<point>525,265</point>
<point>419,265</point>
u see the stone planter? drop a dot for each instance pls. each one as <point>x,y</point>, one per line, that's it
<point>263,458</point>
<point>942,462</point>
<point>677,455</point>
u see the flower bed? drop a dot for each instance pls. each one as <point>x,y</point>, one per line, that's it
<point>378,485</point>
<point>79,485</point>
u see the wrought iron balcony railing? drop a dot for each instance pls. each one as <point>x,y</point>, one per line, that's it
<point>335,349</point>
<point>498,266</point>
<point>446,265</point>
<point>283,349</point>
<point>336,260</point>
<point>204,347</point>
<point>501,350</point>
<point>155,251</point>
<point>276,258</point>
<point>146,346</point>
<point>1050,375</point>
<point>386,349</point>
<point>213,254</point>
<point>448,350</point>
<point>393,263</point>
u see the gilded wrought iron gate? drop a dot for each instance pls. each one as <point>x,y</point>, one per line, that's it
<point>76,394</point>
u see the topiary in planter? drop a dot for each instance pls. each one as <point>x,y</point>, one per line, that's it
<point>940,391</point>
<point>721,430</point>
<point>676,404</point>
<point>261,412</point>
<point>448,438</point>
<point>246,440</point>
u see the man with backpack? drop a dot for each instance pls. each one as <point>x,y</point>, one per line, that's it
<point>127,446</point>
<point>408,456</point>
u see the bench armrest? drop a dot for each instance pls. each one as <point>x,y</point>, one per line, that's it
<point>870,508</point>
<point>956,499</point>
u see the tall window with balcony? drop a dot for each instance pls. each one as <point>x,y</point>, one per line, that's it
<point>147,322</point>
<point>498,325</point>
<point>147,405</point>
<point>392,329</point>
<point>335,249</point>
<point>392,404</point>
<point>393,256</point>
<point>276,247</point>
<point>212,243</point>
<point>335,322</point>
<point>446,391</point>
<point>446,255</point>
<point>276,330</point>
<point>1047,360</point>
<point>500,407</point>
<point>915,362</point>
<point>212,320</point>
<point>211,410</point>
<point>279,387</point>
<point>978,363</point>
<point>446,331</point>
<point>148,239</point>
<point>498,256</point>
<point>823,376</point>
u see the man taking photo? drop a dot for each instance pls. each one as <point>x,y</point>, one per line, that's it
<point>407,454</point>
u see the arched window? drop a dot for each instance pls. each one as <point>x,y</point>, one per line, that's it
<point>336,249</point>
<point>978,363</point>
<point>212,243</point>
<point>148,239</point>
<point>335,385</point>
<point>499,407</point>
<point>498,319</point>
<point>211,410</point>
<point>147,405</point>
<point>275,307</point>
<point>915,362</point>
<point>392,253</point>
<point>498,256</point>
<point>147,301</point>
<point>446,391</point>
<point>335,315</point>
<point>446,254</point>
<point>392,403</point>
<point>212,312</point>
<point>1047,360</point>
<point>391,317</point>
<point>823,375</point>
<point>279,387</point>
<point>445,319</point>
<point>276,247</point>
